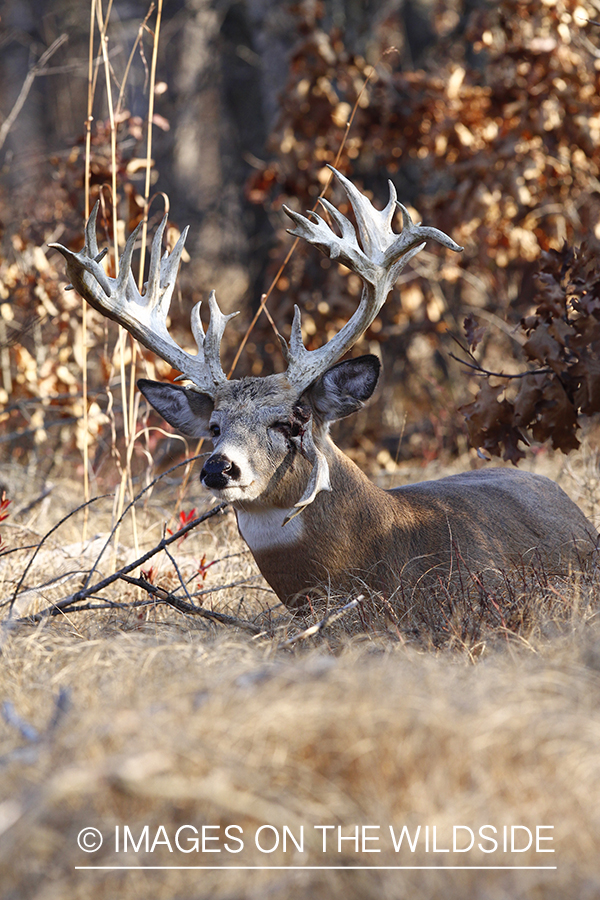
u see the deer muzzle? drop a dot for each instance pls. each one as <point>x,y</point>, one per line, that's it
<point>218,472</point>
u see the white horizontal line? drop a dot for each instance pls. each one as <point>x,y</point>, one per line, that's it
<point>312,868</point>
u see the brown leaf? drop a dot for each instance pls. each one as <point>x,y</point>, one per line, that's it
<point>482,415</point>
<point>587,396</point>
<point>542,347</point>
<point>474,332</point>
<point>551,298</point>
<point>490,423</point>
<point>512,452</point>
<point>558,418</point>
<point>561,330</point>
<point>530,394</point>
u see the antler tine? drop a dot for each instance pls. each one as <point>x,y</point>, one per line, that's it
<point>125,280</point>
<point>169,264</point>
<point>153,292</point>
<point>209,344</point>
<point>374,227</point>
<point>145,315</point>
<point>378,259</point>
<point>214,336</point>
<point>91,243</point>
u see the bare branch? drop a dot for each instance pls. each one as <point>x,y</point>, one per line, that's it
<point>71,604</point>
<point>36,70</point>
<point>86,592</point>
<point>480,370</point>
<point>332,616</point>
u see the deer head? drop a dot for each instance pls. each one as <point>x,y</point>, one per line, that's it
<point>267,432</point>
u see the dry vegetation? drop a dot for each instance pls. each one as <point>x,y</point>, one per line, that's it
<point>188,696</point>
<point>167,726</point>
<point>153,717</point>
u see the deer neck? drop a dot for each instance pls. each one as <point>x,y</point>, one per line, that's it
<point>288,485</point>
<point>330,537</point>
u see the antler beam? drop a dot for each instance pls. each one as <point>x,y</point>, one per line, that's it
<point>371,249</point>
<point>144,315</point>
<point>378,259</point>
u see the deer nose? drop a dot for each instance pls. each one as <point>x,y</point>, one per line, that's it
<point>217,471</point>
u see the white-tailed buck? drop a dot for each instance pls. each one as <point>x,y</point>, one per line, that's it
<point>310,517</point>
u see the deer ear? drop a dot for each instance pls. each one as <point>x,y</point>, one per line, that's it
<point>344,388</point>
<point>186,410</point>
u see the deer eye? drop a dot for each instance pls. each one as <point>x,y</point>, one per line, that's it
<point>214,429</point>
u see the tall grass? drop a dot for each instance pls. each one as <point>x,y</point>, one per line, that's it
<point>98,53</point>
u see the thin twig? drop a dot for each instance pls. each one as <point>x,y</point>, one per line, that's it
<point>86,592</point>
<point>115,527</point>
<point>332,616</point>
<point>22,510</point>
<point>91,84</point>
<point>265,296</point>
<point>178,573</point>
<point>133,404</point>
<point>140,33</point>
<point>5,552</point>
<point>103,28</point>
<point>151,89</point>
<point>480,370</point>
<point>27,84</point>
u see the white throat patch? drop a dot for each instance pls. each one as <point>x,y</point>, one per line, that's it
<point>262,529</point>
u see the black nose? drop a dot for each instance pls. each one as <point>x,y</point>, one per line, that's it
<point>217,471</point>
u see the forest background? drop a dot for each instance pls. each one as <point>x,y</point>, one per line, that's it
<point>486,117</point>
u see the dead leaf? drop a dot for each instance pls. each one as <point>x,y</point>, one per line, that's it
<point>474,332</point>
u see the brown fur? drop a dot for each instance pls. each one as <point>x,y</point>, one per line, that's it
<point>418,535</point>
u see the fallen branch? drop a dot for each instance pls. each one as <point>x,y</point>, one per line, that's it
<point>191,608</point>
<point>162,596</point>
<point>332,616</point>
<point>89,590</point>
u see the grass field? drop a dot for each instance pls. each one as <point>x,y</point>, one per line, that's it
<point>162,729</point>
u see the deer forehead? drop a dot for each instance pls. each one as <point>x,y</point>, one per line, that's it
<point>261,400</point>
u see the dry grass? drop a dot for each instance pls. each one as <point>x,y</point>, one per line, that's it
<point>165,727</point>
<point>158,719</point>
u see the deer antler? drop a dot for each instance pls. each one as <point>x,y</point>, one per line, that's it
<point>378,259</point>
<point>145,315</point>
<point>372,250</point>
